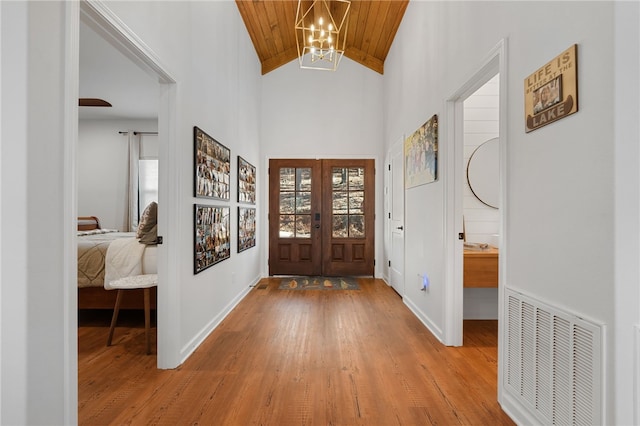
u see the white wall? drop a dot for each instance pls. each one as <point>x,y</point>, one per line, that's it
<point>209,52</point>
<point>319,114</point>
<point>481,120</point>
<point>103,167</point>
<point>627,212</point>
<point>205,46</point>
<point>35,370</point>
<point>561,177</point>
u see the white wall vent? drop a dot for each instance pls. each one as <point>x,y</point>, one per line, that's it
<point>553,362</point>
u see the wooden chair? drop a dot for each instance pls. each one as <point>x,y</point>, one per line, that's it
<point>145,282</point>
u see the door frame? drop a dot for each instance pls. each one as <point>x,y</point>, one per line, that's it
<point>389,196</point>
<point>494,63</point>
<point>378,208</point>
<point>111,27</point>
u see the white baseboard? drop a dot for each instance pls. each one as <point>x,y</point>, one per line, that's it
<point>518,413</point>
<point>435,330</point>
<point>200,337</point>
<point>636,396</point>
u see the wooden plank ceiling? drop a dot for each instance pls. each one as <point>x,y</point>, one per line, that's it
<point>372,26</point>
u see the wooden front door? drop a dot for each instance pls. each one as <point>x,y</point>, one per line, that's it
<point>321,217</point>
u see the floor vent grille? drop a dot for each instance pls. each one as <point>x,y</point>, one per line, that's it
<point>553,362</point>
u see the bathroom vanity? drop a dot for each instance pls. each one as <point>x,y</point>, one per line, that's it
<point>481,268</point>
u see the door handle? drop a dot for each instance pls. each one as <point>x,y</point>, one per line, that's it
<point>317,226</point>
<point>400,227</point>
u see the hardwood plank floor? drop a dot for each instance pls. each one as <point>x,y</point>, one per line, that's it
<point>295,357</point>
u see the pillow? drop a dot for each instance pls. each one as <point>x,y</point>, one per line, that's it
<point>151,237</point>
<point>148,219</point>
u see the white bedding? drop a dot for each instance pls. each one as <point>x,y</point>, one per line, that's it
<point>93,249</point>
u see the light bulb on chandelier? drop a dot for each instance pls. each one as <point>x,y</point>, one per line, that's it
<point>320,45</point>
<point>321,33</point>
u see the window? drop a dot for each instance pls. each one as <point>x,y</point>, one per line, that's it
<point>147,183</point>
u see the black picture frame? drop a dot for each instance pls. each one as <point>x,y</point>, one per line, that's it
<point>212,239</point>
<point>246,228</point>
<point>246,181</point>
<point>212,167</point>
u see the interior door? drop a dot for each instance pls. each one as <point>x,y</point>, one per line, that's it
<point>396,218</point>
<point>321,217</point>
<point>294,217</point>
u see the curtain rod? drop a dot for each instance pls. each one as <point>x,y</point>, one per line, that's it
<point>139,133</point>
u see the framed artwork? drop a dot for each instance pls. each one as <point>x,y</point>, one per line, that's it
<point>212,167</point>
<point>246,182</point>
<point>246,228</point>
<point>212,243</point>
<point>421,155</point>
<point>551,93</point>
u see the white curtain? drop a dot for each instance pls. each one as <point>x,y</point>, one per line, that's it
<point>132,202</point>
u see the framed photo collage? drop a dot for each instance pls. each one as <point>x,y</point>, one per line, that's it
<point>212,223</point>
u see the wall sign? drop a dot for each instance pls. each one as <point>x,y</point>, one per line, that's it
<point>551,93</point>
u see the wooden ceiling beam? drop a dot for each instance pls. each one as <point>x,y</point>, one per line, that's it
<point>365,59</point>
<point>380,29</point>
<point>393,23</point>
<point>280,59</point>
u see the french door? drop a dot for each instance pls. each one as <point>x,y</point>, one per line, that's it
<point>321,217</point>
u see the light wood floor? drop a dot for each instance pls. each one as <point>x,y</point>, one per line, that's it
<point>295,357</point>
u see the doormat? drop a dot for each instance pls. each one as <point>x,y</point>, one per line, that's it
<point>319,283</point>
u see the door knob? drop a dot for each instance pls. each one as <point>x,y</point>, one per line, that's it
<point>400,227</point>
<point>317,226</point>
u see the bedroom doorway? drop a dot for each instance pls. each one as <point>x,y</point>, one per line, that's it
<point>147,107</point>
<point>321,217</point>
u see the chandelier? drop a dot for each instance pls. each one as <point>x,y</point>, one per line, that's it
<point>321,32</point>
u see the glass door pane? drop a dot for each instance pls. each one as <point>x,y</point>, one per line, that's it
<point>295,202</point>
<point>347,185</point>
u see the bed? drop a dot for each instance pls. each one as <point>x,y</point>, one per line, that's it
<point>111,254</point>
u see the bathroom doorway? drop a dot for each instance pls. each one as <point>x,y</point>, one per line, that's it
<point>454,124</point>
<point>481,202</point>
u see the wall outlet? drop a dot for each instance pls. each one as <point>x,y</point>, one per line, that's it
<point>425,282</point>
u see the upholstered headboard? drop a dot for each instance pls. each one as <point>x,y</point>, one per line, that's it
<point>88,223</point>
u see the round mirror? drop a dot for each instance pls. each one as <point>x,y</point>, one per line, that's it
<point>483,172</point>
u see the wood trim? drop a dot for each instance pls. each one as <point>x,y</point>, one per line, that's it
<point>91,223</point>
<point>99,298</point>
<point>365,59</point>
<point>272,63</point>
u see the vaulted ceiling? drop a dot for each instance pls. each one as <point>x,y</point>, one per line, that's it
<point>372,26</point>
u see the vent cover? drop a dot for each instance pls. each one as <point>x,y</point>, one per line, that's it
<point>553,362</point>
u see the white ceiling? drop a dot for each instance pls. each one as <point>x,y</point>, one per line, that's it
<point>108,74</point>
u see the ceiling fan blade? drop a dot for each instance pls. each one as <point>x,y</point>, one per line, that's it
<point>93,102</point>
